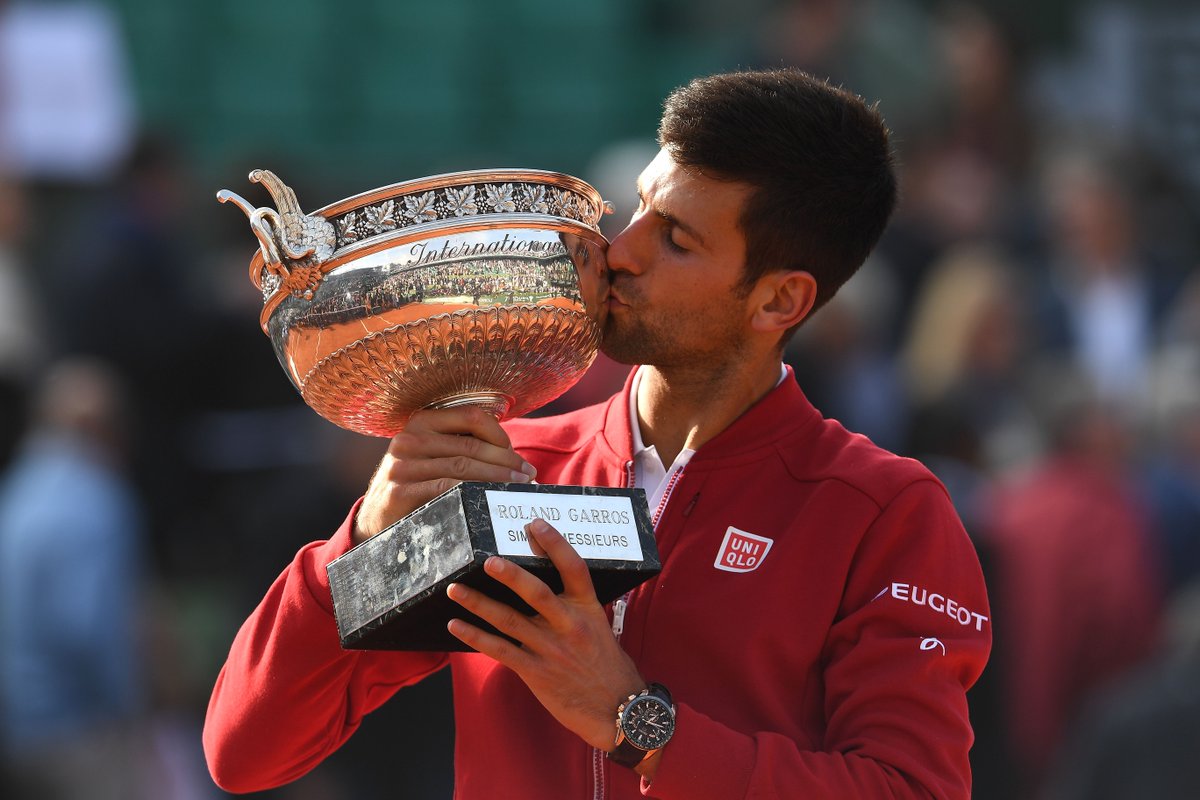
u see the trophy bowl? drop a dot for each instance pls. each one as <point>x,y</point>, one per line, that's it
<point>478,288</point>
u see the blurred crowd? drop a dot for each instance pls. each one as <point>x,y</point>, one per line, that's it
<point>1029,328</point>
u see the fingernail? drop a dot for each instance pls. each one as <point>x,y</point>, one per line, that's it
<point>537,524</point>
<point>529,469</point>
<point>453,590</point>
<point>518,477</point>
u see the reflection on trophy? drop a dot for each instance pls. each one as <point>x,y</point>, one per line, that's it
<point>483,288</point>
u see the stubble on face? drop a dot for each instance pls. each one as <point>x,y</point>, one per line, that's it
<point>689,334</point>
<point>632,339</point>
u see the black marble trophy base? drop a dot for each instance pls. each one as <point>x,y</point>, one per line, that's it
<point>389,593</point>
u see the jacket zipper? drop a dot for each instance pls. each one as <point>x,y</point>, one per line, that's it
<point>662,504</point>
<point>600,791</point>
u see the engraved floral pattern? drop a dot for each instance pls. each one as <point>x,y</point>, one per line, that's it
<point>458,202</point>
<point>461,202</point>
<point>421,209</point>
<point>564,203</point>
<point>383,217</point>
<point>536,197</point>
<point>500,198</point>
<point>345,227</point>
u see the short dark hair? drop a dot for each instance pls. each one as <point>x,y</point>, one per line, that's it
<point>816,155</point>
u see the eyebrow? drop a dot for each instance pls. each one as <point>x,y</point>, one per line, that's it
<point>671,219</point>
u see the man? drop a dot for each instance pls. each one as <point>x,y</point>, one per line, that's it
<point>820,613</point>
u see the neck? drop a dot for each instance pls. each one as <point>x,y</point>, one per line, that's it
<point>684,408</point>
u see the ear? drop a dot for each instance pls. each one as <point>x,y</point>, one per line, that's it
<point>782,299</point>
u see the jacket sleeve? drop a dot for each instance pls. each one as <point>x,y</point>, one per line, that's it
<point>288,694</point>
<point>912,634</point>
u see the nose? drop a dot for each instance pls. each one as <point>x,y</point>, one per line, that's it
<point>625,250</point>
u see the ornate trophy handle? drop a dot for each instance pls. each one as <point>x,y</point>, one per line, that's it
<point>294,245</point>
<point>259,226</point>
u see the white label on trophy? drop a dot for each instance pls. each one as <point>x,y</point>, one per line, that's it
<point>597,526</point>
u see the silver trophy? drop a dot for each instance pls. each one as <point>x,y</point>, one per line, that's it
<point>478,288</point>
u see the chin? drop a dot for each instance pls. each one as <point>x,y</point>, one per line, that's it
<point>632,342</point>
<point>620,355</point>
<point>625,349</point>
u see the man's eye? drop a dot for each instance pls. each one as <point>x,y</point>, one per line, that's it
<point>669,237</point>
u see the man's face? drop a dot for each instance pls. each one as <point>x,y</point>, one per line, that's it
<point>676,271</point>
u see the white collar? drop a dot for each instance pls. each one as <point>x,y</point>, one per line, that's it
<point>649,471</point>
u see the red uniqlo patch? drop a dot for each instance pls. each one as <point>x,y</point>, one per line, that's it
<point>742,551</point>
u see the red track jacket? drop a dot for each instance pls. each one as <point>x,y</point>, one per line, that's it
<point>819,618</point>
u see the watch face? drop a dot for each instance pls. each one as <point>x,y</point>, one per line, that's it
<point>648,722</point>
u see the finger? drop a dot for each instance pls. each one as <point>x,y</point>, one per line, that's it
<point>489,644</point>
<point>455,469</point>
<point>577,581</point>
<point>540,597</point>
<point>500,616</point>
<point>426,443</point>
<point>463,419</point>
<point>534,546</point>
<point>414,445</point>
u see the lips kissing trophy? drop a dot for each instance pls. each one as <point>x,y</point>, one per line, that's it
<point>473,288</point>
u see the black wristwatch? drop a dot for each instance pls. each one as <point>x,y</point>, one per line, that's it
<point>645,723</point>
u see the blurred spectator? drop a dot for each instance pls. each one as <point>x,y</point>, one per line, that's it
<point>984,112</point>
<point>70,561</point>
<point>1074,588</point>
<point>1103,292</point>
<point>842,359</point>
<point>1139,739</point>
<point>964,359</point>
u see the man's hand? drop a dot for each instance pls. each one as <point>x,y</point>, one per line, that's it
<point>568,655</point>
<point>436,451</point>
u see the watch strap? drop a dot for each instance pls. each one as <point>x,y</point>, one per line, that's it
<point>627,754</point>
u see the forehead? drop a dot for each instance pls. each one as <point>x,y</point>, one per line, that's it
<point>705,203</point>
<point>663,176</point>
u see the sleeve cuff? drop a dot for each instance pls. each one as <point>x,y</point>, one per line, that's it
<point>316,556</point>
<point>703,759</point>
